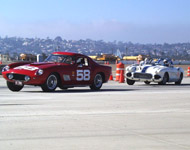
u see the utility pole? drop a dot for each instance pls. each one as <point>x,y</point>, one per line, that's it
<point>126,51</point>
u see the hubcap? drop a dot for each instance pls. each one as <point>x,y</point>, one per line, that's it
<point>52,82</point>
<point>98,80</point>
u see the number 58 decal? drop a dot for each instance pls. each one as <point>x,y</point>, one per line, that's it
<point>83,75</point>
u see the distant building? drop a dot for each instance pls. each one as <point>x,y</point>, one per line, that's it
<point>4,58</point>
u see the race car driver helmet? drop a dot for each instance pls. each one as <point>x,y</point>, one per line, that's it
<point>166,62</point>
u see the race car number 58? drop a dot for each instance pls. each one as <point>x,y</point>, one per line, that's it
<point>83,75</point>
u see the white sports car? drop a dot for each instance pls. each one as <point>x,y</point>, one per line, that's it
<point>159,72</point>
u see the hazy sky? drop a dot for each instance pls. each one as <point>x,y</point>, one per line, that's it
<point>142,21</point>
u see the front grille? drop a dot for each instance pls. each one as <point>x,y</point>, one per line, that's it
<point>143,75</point>
<point>18,77</point>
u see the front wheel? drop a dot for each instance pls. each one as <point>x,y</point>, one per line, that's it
<point>164,80</point>
<point>180,79</point>
<point>130,82</point>
<point>51,83</point>
<point>13,87</point>
<point>97,83</point>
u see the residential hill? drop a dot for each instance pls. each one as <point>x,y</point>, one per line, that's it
<point>16,45</point>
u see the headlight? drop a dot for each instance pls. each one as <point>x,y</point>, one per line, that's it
<point>10,76</point>
<point>26,78</point>
<point>133,69</point>
<point>157,71</point>
<point>6,68</point>
<point>39,72</point>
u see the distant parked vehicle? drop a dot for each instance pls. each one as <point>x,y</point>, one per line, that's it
<point>161,72</point>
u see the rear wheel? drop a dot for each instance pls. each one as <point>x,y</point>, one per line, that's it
<point>97,83</point>
<point>13,87</point>
<point>164,80</point>
<point>51,83</point>
<point>180,79</point>
<point>130,82</point>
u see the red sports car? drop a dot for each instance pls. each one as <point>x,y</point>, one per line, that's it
<point>60,69</point>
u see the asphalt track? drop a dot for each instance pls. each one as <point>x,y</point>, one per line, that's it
<point>118,117</point>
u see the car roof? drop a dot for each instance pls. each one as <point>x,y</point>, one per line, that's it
<point>67,53</point>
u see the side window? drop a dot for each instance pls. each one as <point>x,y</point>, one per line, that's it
<point>82,61</point>
<point>86,62</point>
<point>70,60</point>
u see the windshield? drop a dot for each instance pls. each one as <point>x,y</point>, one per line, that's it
<point>60,59</point>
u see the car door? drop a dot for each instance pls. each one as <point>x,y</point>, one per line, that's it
<point>173,74</point>
<point>68,71</point>
<point>83,71</point>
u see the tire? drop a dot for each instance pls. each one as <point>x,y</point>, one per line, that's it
<point>13,87</point>
<point>180,79</point>
<point>51,83</point>
<point>147,82</point>
<point>164,80</point>
<point>97,83</point>
<point>130,82</point>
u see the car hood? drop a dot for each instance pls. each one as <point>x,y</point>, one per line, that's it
<point>35,66</point>
<point>145,68</point>
<point>43,65</point>
<point>150,68</point>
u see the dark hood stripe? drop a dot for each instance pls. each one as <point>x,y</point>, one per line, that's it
<point>144,69</point>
